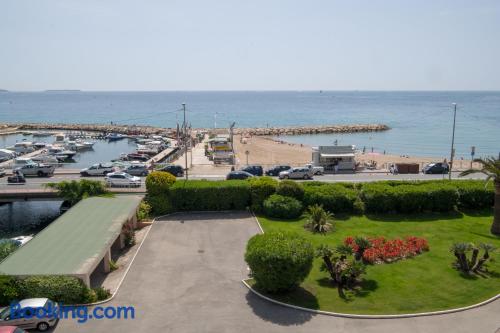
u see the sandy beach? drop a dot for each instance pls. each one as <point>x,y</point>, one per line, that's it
<point>267,151</point>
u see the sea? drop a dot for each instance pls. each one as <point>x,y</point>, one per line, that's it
<point>421,122</point>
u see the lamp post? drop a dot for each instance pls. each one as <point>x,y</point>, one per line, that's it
<point>452,153</point>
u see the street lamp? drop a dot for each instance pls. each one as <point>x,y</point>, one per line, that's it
<point>452,153</point>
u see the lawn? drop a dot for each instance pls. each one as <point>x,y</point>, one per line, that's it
<point>423,283</point>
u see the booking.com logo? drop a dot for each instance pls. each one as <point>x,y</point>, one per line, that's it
<point>81,313</point>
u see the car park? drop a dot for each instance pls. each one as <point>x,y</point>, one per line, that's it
<point>36,169</point>
<point>238,175</point>
<point>137,169</point>
<point>122,179</point>
<point>275,170</point>
<point>296,173</point>
<point>27,314</point>
<point>175,170</point>
<point>436,168</point>
<point>255,170</point>
<point>101,169</point>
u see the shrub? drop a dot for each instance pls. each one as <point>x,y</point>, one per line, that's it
<point>476,264</point>
<point>9,290</point>
<point>319,220</point>
<point>101,293</point>
<point>333,197</point>
<point>65,289</point>
<point>289,188</point>
<point>200,195</point>
<point>282,207</point>
<point>76,190</point>
<point>159,182</point>
<point>160,203</point>
<point>144,211</point>
<point>7,246</point>
<point>386,197</point>
<point>261,188</point>
<point>279,261</point>
<point>474,194</point>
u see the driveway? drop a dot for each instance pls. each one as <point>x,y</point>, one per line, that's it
<point>186,278</point>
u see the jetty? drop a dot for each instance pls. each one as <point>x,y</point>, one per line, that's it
<point>171,132</point>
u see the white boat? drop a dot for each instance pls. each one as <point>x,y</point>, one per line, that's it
<point>47,159</point>
<point>41,133</point>
<point>21,240</point>
<point>75,146</point>
<point>23,147</point>
<point>60,137</point>
<point>86,144</point>
<point>58,150</point>
<point>40,145</point>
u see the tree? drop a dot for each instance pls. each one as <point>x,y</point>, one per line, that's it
<point>74,191</point>
<point>491,168</point>
<point>319,220</point>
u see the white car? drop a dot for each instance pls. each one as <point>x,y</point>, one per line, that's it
<point>122,179</point>
<point>101,169</point>
<point>296,173</point>
<point>316,170</point>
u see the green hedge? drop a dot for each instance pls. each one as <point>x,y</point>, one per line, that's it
<point>197,195</point>
<point>335,198</point>
<point>290,188</point>
<point>261,188</point>
<point>282,207</point>
<point>475,194</point>
<point>382,197</point>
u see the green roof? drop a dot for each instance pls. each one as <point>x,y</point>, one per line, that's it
<point>75,241</point>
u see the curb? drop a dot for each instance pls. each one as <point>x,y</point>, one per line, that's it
<point>361,316</point>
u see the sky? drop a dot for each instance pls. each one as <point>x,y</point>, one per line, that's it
<point>249,45</point>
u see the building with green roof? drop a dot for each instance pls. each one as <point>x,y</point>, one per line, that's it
<point>77,243</point>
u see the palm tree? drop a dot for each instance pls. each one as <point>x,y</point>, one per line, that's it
<point>74,191</point>
<point>490,166</point>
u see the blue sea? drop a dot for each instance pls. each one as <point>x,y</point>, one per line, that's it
<point>421,122</point>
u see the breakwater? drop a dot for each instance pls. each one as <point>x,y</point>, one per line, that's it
<point>149,130</point>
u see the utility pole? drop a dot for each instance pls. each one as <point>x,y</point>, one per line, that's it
<point>184,139</point>
<point>452,153</point>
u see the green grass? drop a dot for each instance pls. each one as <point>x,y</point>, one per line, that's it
<point>423,283</point>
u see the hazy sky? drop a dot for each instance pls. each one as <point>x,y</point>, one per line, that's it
<point>249,45</point>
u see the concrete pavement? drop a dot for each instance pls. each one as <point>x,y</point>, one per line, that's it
<point>186,278</point>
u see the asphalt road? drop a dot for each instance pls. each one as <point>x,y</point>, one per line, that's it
<point>39,182</point>
<point>187,278</point>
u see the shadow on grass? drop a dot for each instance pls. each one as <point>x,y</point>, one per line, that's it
<point>479,213</point>
<point>281,315</point>
<point>363,289</point>
<point>420,217</point>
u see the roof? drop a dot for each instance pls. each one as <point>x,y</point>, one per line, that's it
<point>76,241</point>
<point>338,155</point>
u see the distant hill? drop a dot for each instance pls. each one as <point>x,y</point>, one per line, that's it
<point>62,90</point>
<point>3,90</point>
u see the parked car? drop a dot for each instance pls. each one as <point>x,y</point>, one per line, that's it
<point>101,169</point>
<point>316,170</point>
<point>36,169</point>
<point>436,168</point>
<point>296,173</point>
<point>238,175</point>
<point>29,320</point>
<point>255,170</point>
<point>122,179</point>
<point>175,170</point>
<point>275,170</point>
<point>137,169</point>
<point>16,178</point>
<point>2,172</point>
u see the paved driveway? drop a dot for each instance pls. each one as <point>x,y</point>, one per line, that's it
<point>186,278</point>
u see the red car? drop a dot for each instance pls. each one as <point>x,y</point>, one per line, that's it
<point>11,329</point>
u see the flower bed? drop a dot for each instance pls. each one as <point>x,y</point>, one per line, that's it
<point>383,250</point>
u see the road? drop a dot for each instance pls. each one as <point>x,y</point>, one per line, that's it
<point>39,182</point>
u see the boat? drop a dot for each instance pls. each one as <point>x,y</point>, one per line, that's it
<point>138,157</point>
<point>21,240</point>
<point>60,137</point>
<point>115,136</point>
<point>40,145</point>
<point>86,144</point>
<point>22,147</point>
<point>42,133</point>
<point>74,146</point>
<point>47,159</point>
<point>61,157</point>
<point>60,151</point>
